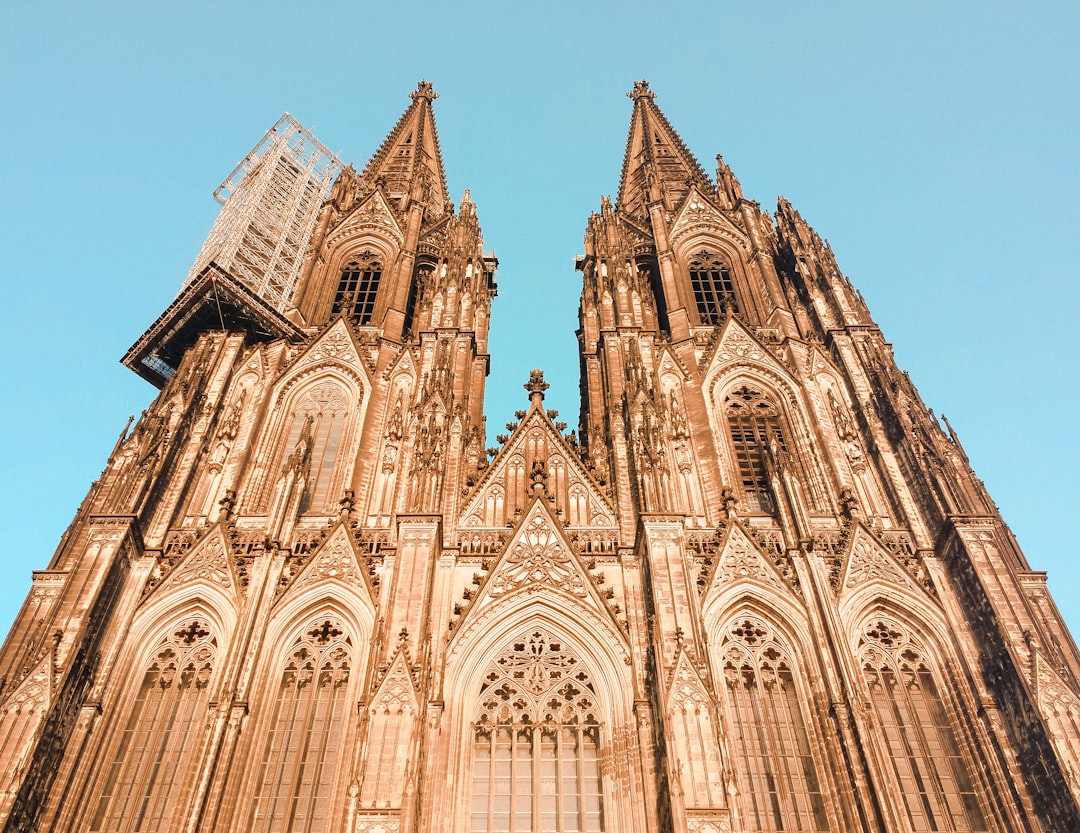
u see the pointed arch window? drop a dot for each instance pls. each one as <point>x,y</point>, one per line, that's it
<point>778,780</point>
<point>714,290</point>
<point>357,288</point>
<point>314,439</point>
<point>934,776</point>
<point>141,788</point>
<point>536,743</point>
<point>295,774</point>
<point>758,443</point>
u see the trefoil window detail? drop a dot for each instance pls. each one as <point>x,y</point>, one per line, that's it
<point>295,774</point>
<point>934,776</point>
<point>536,743</point>
<point>141,787</point>
<point>714,290</point>
<point>778,781</point>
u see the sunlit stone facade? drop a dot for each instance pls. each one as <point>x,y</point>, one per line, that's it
<point>758,588</point>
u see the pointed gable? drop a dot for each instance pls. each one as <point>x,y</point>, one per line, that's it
<point>335,561</point>
<point>657,163</point>
<point>408,164</point>
<point>699,215</point>
<point>738,347</point>
<point>741,561</point>
<point>397,690</point>
<point>869,561</point>
<point>539,556</point>
<point>207,562</point>
<point>337,346</point>
<point>371,215</point>
<point>536,458</point>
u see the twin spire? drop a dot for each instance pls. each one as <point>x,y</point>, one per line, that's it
<point>409,161</point>
<point>657,164</point>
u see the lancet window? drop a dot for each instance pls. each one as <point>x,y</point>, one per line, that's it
<point>294,778</point>
<point>933,775</point>
<point>778,781</point>
<point>536,742</point>
<point>141,784</point>
<point>358,286</point>
<point>714,290</point>
<point>314,439</point>
<point>758,443</point>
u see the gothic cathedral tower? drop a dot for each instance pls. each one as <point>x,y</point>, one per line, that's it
<point>759,588</point>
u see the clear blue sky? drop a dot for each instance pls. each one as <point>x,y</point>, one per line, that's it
<point>934,144</point>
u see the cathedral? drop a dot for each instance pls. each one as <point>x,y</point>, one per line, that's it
<point>757,588</point>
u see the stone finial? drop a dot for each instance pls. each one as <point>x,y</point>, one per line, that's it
<point>536,385</point>
<point>424,90</point>
<point>641,90</point>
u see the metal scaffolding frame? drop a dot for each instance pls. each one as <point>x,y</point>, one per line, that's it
<point>270,203</point>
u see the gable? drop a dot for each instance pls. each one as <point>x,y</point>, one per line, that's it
<point>699,216</point>
<point>537,459</point>
<point>372,215</point>
<point>539,558</point>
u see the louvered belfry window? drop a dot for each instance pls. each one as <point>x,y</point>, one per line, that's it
<point>536,743</point>
<point>778,780</point>
<point>756,439</point>
<point>294,779</point>
<point>358,286</point>
<point>714,290</point>
<point>142,783</point>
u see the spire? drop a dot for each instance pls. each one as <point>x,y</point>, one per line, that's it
<point>408,164</point>
<point>657,164</point>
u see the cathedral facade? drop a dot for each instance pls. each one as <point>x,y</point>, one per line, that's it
<point>758,588</point>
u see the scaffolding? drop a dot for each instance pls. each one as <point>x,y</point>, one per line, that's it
<point>270,203</point>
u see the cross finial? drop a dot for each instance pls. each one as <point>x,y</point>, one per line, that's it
<point>536,385</point>
<point>641,90</point>
<point>424,90</point>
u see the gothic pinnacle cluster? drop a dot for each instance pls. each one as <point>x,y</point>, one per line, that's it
<point>759,588</point>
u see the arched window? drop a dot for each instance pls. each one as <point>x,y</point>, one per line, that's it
<point>778,782</point>
<point>358,286</point>
<point>757,441</point>
<point>314,438</point>
<point>294,778</point>
<point>536,743</point>
<point>714,291</point>
<point>932,773</point>
<point>142,776</point>
<point>649,275</point>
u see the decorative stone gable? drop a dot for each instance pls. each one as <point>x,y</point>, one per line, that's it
<point>538,555</point>
<point>374,214</point>
<point>738,347</point>
<point>334,561</point>
<point>537,459</point>
<point>334,346</point>
<point>740,561</point>
<point>207,562</point>
<point>869,561</point>
<point>699,215</point>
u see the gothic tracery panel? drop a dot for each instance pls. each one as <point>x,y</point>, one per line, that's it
<point>536,762</point>
<point>140,788</point>
<point>297,764</point>
<point>779,785</point>
<point>933,774</point>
